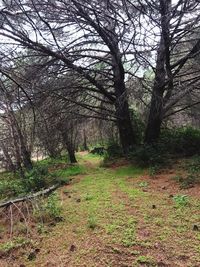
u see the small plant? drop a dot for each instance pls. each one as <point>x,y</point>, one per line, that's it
<point>150,155</point>
<point>88,197</point>
<point>92,222</point>
<point>15,243</point>
<point>143,184</point>
<point>53,207</point>
<point>181,200</point>
<point>129,234</point>
<point>146,260</point>
<point>49,209</point>
<point>153,170</point>
<point>41,229</point>
<point>36,179</point>
<point>192,176</point>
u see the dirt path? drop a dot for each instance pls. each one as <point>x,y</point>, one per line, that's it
<point>113,218</point>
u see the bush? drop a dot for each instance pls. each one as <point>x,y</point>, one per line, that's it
<point>36,179</point>
<point>48,209</point>
<point>150,155</point>
<point>114,150</point>
<point>10,188</point>
<point>98,150</point>
<point>139,126</point>
<point>183,141</point>
<point>192,175</point>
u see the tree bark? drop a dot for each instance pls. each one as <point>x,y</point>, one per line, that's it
<point>85,147</point>
<point>69,146</point>
<point>71,154</point>
<point>155,118</point>
<point>156,108</point>
<point>126,132</point>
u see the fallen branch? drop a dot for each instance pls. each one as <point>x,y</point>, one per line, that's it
<point>22,199</point>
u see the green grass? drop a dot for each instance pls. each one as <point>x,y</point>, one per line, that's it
<point>114,220</point>
<point>69,171</point>
<point>128,171</point>
<point>48,162</point>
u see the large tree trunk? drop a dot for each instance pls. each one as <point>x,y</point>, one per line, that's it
<point>85,147</point>
<point>69,146</point>
<point>155,118</point>
<point>126,132</point>
<point>71,154</point>
<point>156,109</point>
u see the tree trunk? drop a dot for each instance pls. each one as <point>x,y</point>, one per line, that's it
<point>69,146</point>
<point>85,147</point>
<point>156,109</point>
<point>126,132</point>
<point>155,119</point>
<point>9,163</point>
<point>71,154</point>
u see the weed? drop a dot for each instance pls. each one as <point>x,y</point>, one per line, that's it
<point>143,184</point>
<point>53,207</point>
<point>129,234</point>
<point>15,243</point>
<point>92,222</point>
<point>88,197</point>
<point>153,170</point>
<point>49,209</point>
<point>147,260</point>
<point>181,200</point>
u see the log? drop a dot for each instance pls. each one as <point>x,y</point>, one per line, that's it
<point>25,198</point>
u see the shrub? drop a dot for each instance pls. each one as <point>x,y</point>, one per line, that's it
<point>184,141</point>
<point>53,207</point>
<point>98,150</point>
<point>139,126</point>
<point>114,149</point>
<point>48,209</point>
<point>36,179</point>
<point>10,188</point>
<point>150,155</point>
<point>181,200</point>
<point>192,175</point>
<point>92,222</point>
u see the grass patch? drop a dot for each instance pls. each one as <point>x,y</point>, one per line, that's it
<point>69,171</point>
<point>15,243</point>
<point>128,171</point>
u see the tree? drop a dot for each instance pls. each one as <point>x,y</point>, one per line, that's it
<point>168,35</point>
<point>87,37</point>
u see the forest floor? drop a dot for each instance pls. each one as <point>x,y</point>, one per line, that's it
<point>118,216</point>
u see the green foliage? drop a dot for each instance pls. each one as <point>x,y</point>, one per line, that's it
<point>139,126</point>
<point>192,175</point>
<point>53,206</point>
<point>129,234</point>
<point>183,141</point>
<point>113,150</point>
<point>150,155</point>
<point>70,170</point>
<point>146,261</point>
<point>36,179</point>
<point>48,209</point>
<point>181,200</point>
<point>10,188</point>
<point>98,151</point>
<point>143,184</point>
<point>179,141</point>
<point>15,243</point>
<point>92,222</point>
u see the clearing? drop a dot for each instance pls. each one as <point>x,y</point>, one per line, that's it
<point>117,216</point>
